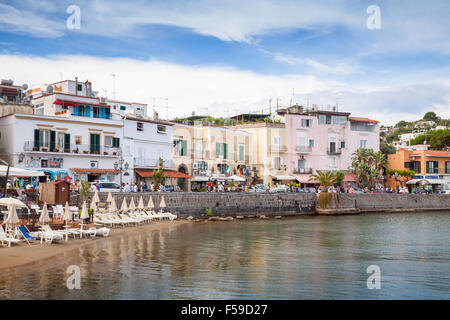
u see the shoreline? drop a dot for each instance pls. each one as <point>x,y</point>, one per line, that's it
<point>21,255</point>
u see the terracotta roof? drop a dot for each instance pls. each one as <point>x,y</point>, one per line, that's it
<point>167,173</point>
<point>362,120</point>
<point>94,170</point>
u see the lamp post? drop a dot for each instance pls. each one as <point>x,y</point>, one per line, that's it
<point>122,167</point>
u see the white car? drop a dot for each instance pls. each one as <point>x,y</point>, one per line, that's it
<point>109,187</point>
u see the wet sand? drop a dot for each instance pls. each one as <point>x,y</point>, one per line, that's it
<point>23,254</point>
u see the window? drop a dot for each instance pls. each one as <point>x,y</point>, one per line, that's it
<point>301,166</point>
<point>123,108</point>
<point>78,140</point>
<point>140,126</point>
<point>301,139</point>
<point>39,109</point>
<point>341,120</point>
<point>180,147</point>
<point>432,167</point>
<point>60,141</point>
<point>447,167</point>
<point>116,142</point>
<point>311,143</point>
<point>342,144</point>
<point>241,152</point>
<point>332,142</point>
<point>364,144</point>
<point>108,141</point>
<point>161,129</point>
<point>332,162</point>
<point>277,141</point>
<point>306,123</point>
<point>80,87</point>
<point>42,139</point>
<point>221,150</point>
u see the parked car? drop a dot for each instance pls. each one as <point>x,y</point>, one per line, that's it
<point>109,187</point>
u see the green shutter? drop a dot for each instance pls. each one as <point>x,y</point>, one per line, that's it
<point>116,142</point>
<point>36,138</point>
<point>225,151</point>
<point>52,140</point>
<point>217,149</point>
<point>184,148</point>
<point>67,142</point>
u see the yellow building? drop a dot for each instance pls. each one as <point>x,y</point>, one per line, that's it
<point>269,152</point>
<point>211,153</point>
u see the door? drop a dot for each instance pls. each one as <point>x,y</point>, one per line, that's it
<point>95,143</point>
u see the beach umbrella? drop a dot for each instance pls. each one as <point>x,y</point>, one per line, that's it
<point>12,218</point>
<point>132,206</point>
<point>93,205</point>
<point>84,212</point>
<point>110,197</point>
<point>124,207</point>
<point>150,204</point>
<point>67,217</point>
<point>162,204</point>
<point>95,198</point>
<point>141,204</point>
<point>12,201</point>
<point>113,206</point>
<point>44,218</point>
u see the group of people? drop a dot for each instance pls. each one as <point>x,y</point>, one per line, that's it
<point>221,187</point>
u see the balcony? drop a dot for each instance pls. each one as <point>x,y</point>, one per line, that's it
<point>151,163</point>
<point>281,167</point>
<point>303,149</point>
<point>278,148</point>
<point>82,149</point>
<point>303,170</point>
<point>95,116</point>
<point>333,151</point>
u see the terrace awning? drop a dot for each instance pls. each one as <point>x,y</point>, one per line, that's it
<point>282,177</point>
<point>200,179</point>
<point>65,103</point>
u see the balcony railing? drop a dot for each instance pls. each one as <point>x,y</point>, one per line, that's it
<point>151,163</point>
<point>74,149</point>
<point>281,167</point>
<point>96,116</point>
<point>334,151</point>
<point>303,149</point>
<point>303,170</point>
<point>278,148</point>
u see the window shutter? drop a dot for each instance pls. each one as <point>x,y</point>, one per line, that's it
<point>184,148</point>
<point>75,110</point>
<point>217,149</point>
<point>67,142</point>
<point>87,111</point>
<point>102,113</point>
<point>225,151</point>
<point>52,140</point>
<point>116,142</point>
<point>36,138</point>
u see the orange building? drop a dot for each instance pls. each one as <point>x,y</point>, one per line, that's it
<point>432,167</point>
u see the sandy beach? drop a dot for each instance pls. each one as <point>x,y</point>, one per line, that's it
<point>23,254</point>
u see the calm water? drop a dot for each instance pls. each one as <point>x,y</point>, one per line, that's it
<point>300,258</point>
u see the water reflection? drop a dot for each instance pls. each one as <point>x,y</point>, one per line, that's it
<point>302,258</point>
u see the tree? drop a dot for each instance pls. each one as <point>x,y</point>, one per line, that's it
<point>158,176</point>
<point>325,178</point>
<point>368,166</point>
<point>437,139</point>
<point>339,178</point>
<point>401,123</point>
<point>386,148</point>
<point>85,190</point>
<point>430,116</point>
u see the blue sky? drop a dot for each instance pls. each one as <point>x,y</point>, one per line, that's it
<point>224,57</point>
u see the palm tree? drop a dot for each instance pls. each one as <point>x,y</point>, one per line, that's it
<point>381,165</point>
<point>325,178</point>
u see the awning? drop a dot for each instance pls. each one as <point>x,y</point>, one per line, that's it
<point>94,170</point>
<point>349,177</point>
<point>282,177</point>
<point>304,178</point>
<point>76,103</point>
<point>19,172</point>
<point>65,103</point>
<point>237,178</point>
<point>200,179</point>
<point>167,173</point>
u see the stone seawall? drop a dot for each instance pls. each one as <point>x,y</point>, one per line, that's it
<point>228,204</point>
<point>244,204</point>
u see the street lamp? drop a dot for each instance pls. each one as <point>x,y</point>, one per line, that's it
<point>122,167</point>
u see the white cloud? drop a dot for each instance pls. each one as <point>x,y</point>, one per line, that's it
<point>225,91</point>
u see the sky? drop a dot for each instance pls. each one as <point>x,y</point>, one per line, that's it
<point>222,58</point>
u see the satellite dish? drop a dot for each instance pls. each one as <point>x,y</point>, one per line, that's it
<point>24,87</point>
<point>49,90</point>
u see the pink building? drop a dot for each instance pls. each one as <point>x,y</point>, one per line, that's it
<point>325,140</point>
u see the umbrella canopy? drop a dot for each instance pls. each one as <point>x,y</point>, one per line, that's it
<point>18,172</point>
<point>93,205</point>
<point>150,204</point>
<point>67,215</point>
<point>84,212</point>
<point>12,218</point>
<point>162,204</point>
<point>132,206</point>
<point>95,198</point>
<point>124,207</point>
<point>12,201</point>
<point>44,218</point>
<point>113,206</point>
<point>110,197</point>
<point>141,204</point>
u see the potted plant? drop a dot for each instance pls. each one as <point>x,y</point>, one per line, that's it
<point>96,152</point>
<point>115,153</point>
<point>44,149</point>
<point>85,151</point>
<point>105,153</point>
<point>35,149</point>
<point>75,151</point>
